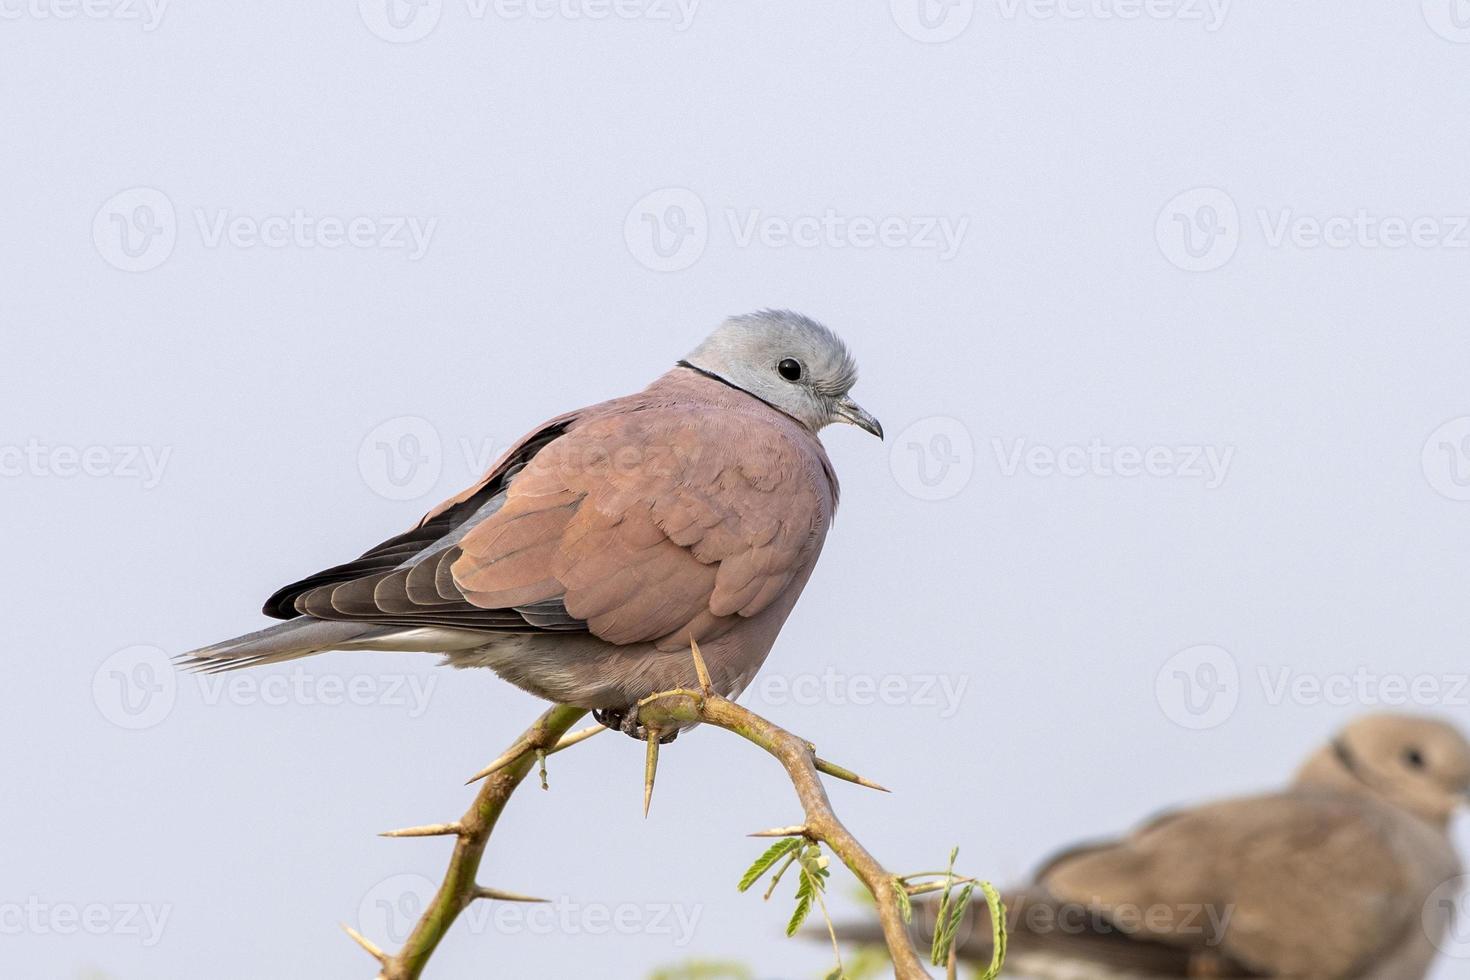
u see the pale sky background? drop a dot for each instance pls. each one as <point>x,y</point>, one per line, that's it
<point>190,418</point>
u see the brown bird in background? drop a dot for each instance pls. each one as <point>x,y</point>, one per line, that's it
<point>590,555</point>
<point>1349,874</point>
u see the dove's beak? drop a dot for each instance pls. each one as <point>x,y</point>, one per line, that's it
<point>850,411</point>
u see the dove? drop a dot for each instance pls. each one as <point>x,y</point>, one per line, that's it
<point>1334,878</point>
<point>591,555</point>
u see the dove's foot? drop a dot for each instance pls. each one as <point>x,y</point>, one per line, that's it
<point>626,721</point>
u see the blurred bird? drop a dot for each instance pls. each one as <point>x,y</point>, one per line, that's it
<point>1347,875</point>
<point>584,562</point>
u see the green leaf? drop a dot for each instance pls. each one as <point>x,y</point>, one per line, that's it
<point>938,949</point>
<point>803,906</point>
<point>998,935</point>
<point>904,905</point>
<point>763,863</point>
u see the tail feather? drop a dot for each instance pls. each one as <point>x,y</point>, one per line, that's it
<point>277,644</point>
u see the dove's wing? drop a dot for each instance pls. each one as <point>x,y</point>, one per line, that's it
<point>435,526</point>
<point>1313,884</point>
<point>657,524</point>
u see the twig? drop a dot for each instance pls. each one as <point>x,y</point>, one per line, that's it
<point>472,833</point>
<point>663,712</point>
<point>675,709</point>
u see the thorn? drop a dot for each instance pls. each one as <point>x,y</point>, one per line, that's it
<point>511,755</point>
<point>650,766</point>
<point>501,896</point>
<point>780,832</point>
<point>832,769</point>
<point>366,944</point>
<point>567,741</point>
<point>541,767</point>
<point>936,886</point>
<point>705,685</point>
<point>428,830</point>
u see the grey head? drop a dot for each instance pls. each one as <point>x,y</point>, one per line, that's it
<point>788,361</point>
<point>1417,763</point>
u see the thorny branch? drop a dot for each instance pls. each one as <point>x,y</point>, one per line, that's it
<point>662,712</point>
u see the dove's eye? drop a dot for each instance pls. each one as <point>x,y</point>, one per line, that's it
<point>1414,759</point>
<point>790,369</point>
